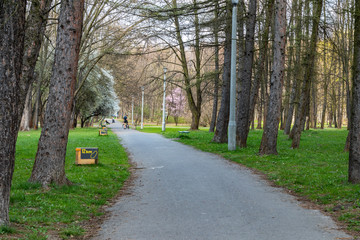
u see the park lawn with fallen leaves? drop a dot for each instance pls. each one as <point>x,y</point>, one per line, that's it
<point>316,172</point>
<point>63,212</point>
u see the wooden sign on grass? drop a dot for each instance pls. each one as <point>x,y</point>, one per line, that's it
<point>103,132</point>
<point>87,156</point>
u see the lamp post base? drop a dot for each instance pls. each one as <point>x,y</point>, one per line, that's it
<point>232,136</point>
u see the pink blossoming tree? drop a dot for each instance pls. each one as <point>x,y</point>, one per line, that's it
<point>175,103</point>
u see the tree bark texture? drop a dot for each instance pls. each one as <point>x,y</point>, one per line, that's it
<point>341,102</point>
<point>314,105</point>
<point>216,92</point>
<point>348,89</point>
<point>297,73</point>
<point>347,142</point>
<point>323,114</point>
<point>221,135</point>
<point>49,164</point>
<point>37,104</point>
<point>243,103</point>
<point>291,60</point>
<point>309,73</point>
<point>196,117</point>
<point>269,138</point>
<point>348,104</point>
<point>26,116</point>
<point>288,89</point>
<point>354,151</point>
<point>259,114</point>
<point>195,108</point>
<point>259,74</point>
<point>35,29</point>
<point>324,103</point>
<point>217,69</point>
<point>12,32</point>
<point>44,58</point>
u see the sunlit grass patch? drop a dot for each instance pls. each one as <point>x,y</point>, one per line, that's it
<point>62,209</point>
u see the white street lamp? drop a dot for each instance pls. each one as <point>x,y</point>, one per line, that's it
<point>232,122</point>
<point>163,117</point>
<point>132,111</point>
<point>142,107</point>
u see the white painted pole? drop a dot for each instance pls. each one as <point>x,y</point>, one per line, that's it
<point>132,111</point>
<point>163,117</point>
<point>142,108</point>
<point>232,122</point>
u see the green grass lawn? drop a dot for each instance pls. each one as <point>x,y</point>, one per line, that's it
<point>316,171</point>
<point>35,213</point>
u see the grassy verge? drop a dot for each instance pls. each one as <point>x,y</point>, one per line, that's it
<point>36,213</point>
<point>316,171</point>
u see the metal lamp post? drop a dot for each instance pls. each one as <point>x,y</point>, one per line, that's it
<point>142,107</point>
<point>132,111</point>
<point>232,122</point>
<point>163,117</point>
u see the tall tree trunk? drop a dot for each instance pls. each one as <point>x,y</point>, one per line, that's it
<point>243,104</point>
<point>222,123</point>
<point>37,103</point>
<point>341,102</point>
<point>354,151</point>
<point>269,138</point>
<point>348,92</point>
<point>348,103</point>
<point>334,107</point>
<point>325,85</point>
<point>330,118</point>
<point>43,59</point>
<point>35,29</point>
<point>290,65</point>
<point>217,68</point>
<point>297,73</point>
<point>314,105</point>
<point>12,32</point>
<point>253,123</point>
<point>49,166</point>
<point>299,119</point>
<point>259,74</point>
<point>307,122</point>
<point>195,108</point>
<point>264,87</point>
<point>293,102</point>
<point>309,73</point>
<point>196,117</point>
<point>323,115</point>
<point>26,116</point>
<point>259,114</point>
<point>288,89</point>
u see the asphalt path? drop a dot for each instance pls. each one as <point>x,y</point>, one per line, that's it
<point>182,193</point>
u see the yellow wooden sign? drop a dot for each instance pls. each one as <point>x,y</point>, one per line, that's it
<point>87,155</point>
<point>103,132</point>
